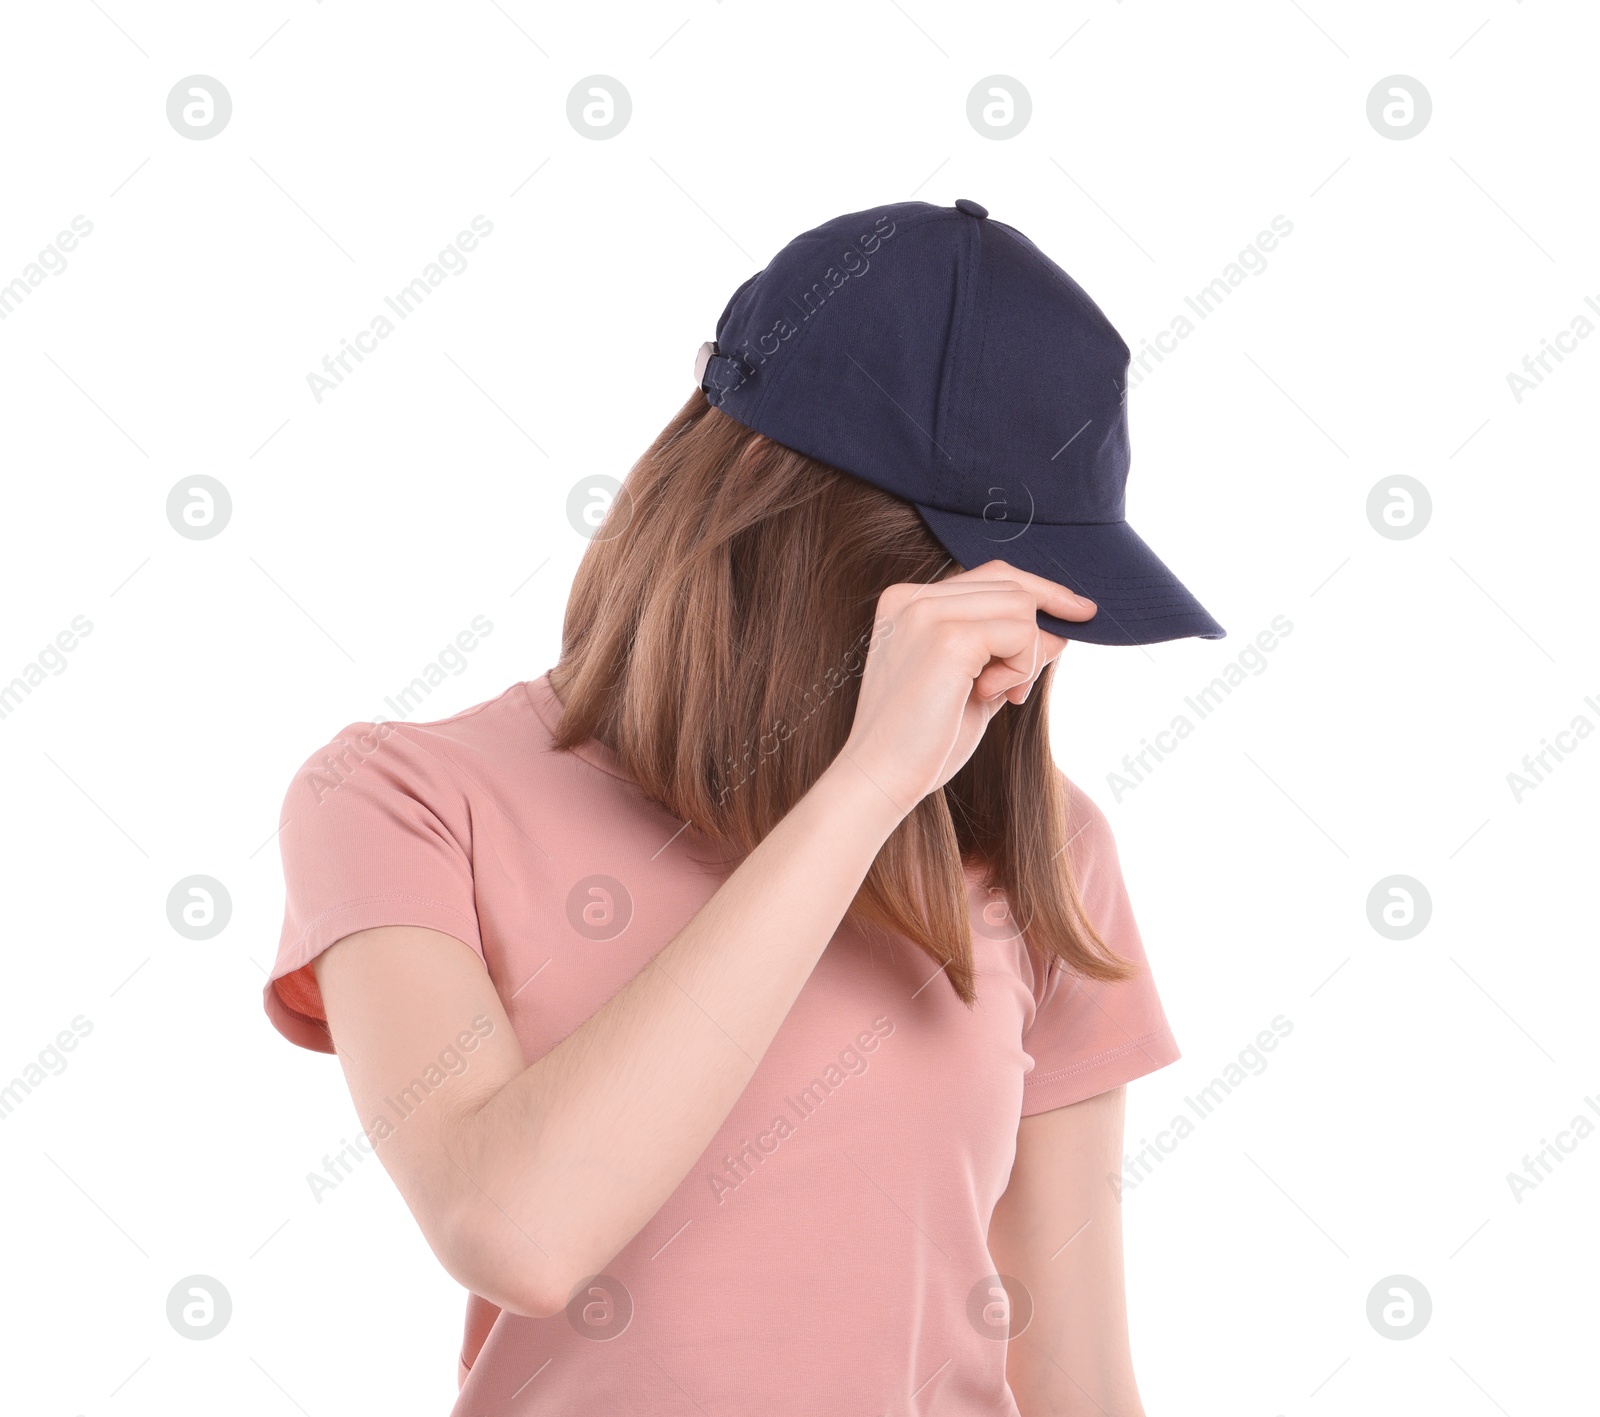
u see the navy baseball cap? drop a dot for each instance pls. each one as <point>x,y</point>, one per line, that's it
<point>943,357</point>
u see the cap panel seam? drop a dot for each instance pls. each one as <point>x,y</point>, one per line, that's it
<point>949,470</point>
<point>982,301</point>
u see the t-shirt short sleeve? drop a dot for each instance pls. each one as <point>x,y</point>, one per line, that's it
<point>1088,1035</point>
<point>374,830</point>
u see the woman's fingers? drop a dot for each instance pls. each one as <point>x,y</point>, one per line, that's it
<point>943,656</point>
<point>1053,597</point>
<point>1002,679</point>
<point>999,677</point>
<point>997,623</point>
<point>1014,666</point>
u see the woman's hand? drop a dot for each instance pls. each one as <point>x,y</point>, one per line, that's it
<point>944,656</point>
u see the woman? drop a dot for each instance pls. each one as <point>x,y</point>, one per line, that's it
<point>743,1006</point>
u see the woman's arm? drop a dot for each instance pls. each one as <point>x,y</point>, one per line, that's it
<point>527,1180</point>
<point>1058,1229</point>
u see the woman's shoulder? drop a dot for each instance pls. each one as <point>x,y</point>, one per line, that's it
<point>1088,829</point>
<point>424,752</point>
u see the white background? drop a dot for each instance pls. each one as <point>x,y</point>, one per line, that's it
<point>369,529</point>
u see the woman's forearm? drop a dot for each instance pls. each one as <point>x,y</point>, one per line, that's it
<point>582,1148</point>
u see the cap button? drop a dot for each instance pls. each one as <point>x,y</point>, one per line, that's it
<point>971,208</point>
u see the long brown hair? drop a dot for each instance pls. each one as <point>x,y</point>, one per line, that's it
<point>713,641</point>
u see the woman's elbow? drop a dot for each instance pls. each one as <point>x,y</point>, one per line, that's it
<point>512,1273</point>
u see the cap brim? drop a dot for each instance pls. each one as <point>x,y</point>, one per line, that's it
<point>1140,601</point>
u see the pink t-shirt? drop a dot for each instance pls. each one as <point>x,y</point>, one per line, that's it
<point>828,1251</point>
